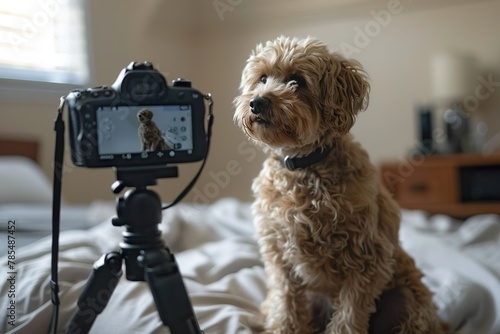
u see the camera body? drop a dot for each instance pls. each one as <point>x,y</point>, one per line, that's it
<point>138,121</point>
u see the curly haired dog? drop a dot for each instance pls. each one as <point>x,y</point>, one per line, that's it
<point>149,133</point>
<point>328,231</point>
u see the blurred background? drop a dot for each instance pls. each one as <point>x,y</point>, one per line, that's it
<point>398,42</point>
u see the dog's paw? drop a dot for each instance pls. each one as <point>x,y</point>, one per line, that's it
<point>285,330</point>
<point>274,331</point>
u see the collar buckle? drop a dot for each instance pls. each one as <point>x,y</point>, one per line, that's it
<point>289,163</point>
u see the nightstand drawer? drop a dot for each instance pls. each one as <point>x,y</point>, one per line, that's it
<point>426,185</point>
<point>458,185</point>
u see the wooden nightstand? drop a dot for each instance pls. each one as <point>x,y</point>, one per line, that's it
<point>459,185</point>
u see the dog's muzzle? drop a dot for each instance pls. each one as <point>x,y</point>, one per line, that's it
<point>259,105</point>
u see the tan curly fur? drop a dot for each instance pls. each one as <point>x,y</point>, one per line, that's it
<point>328,233</point>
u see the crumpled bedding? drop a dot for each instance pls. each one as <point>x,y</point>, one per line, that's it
<point>218,257</point>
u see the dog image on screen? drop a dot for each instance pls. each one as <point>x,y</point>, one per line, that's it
<point>149,134</point>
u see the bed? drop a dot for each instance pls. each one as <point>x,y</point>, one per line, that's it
<point>218,257</point>
<point>26,196</point>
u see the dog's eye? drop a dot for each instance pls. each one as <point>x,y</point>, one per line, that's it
<point>263,79</point>
<point>297,80</point>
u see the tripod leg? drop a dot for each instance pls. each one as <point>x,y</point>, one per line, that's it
<point>169,292</point>
<point>94,298</point>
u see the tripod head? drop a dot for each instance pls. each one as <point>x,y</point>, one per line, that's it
<point>139,210</point>
<point>139,177</point>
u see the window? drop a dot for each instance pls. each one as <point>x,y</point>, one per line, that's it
<point>43,40</point>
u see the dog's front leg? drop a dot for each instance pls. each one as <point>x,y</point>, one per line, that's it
<point>285,308</point>
<point>143,145</point>
<point>353,307</point>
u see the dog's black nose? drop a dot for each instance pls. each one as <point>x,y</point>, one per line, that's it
<point>259,104</point>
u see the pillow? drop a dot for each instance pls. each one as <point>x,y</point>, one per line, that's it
<point>23,181</point>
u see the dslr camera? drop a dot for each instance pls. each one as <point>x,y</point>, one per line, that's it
<point>138,121</point>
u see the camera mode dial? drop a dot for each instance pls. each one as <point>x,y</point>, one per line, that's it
<point>145,65</point>
<point>180,82</point>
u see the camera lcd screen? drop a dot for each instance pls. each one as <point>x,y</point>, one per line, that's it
<point>127,130</point>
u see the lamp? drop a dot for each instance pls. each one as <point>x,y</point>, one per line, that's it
<point>452,74</point>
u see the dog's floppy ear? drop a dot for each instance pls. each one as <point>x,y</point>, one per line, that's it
<point>345,91</point>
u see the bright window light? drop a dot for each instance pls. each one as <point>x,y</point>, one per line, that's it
<point>43,40</point>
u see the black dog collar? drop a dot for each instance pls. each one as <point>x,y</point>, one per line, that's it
<point>293,163</point>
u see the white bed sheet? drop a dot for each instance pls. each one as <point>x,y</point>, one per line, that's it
<point>26,201</point>
<point>218,257</point>
<point>33,221</point>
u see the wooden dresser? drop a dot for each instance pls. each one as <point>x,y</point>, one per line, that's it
<point>459,185</point>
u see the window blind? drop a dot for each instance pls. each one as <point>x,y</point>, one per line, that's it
<point>43,40</point>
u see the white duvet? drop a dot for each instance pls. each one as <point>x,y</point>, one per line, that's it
<point>218,257</point>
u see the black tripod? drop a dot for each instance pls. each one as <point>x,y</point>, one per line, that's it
<point>145,255</point>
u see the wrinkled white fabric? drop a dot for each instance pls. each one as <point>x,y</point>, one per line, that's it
<point>218,257</point>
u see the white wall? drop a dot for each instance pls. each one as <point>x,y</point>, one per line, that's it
<point>397,59</point>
